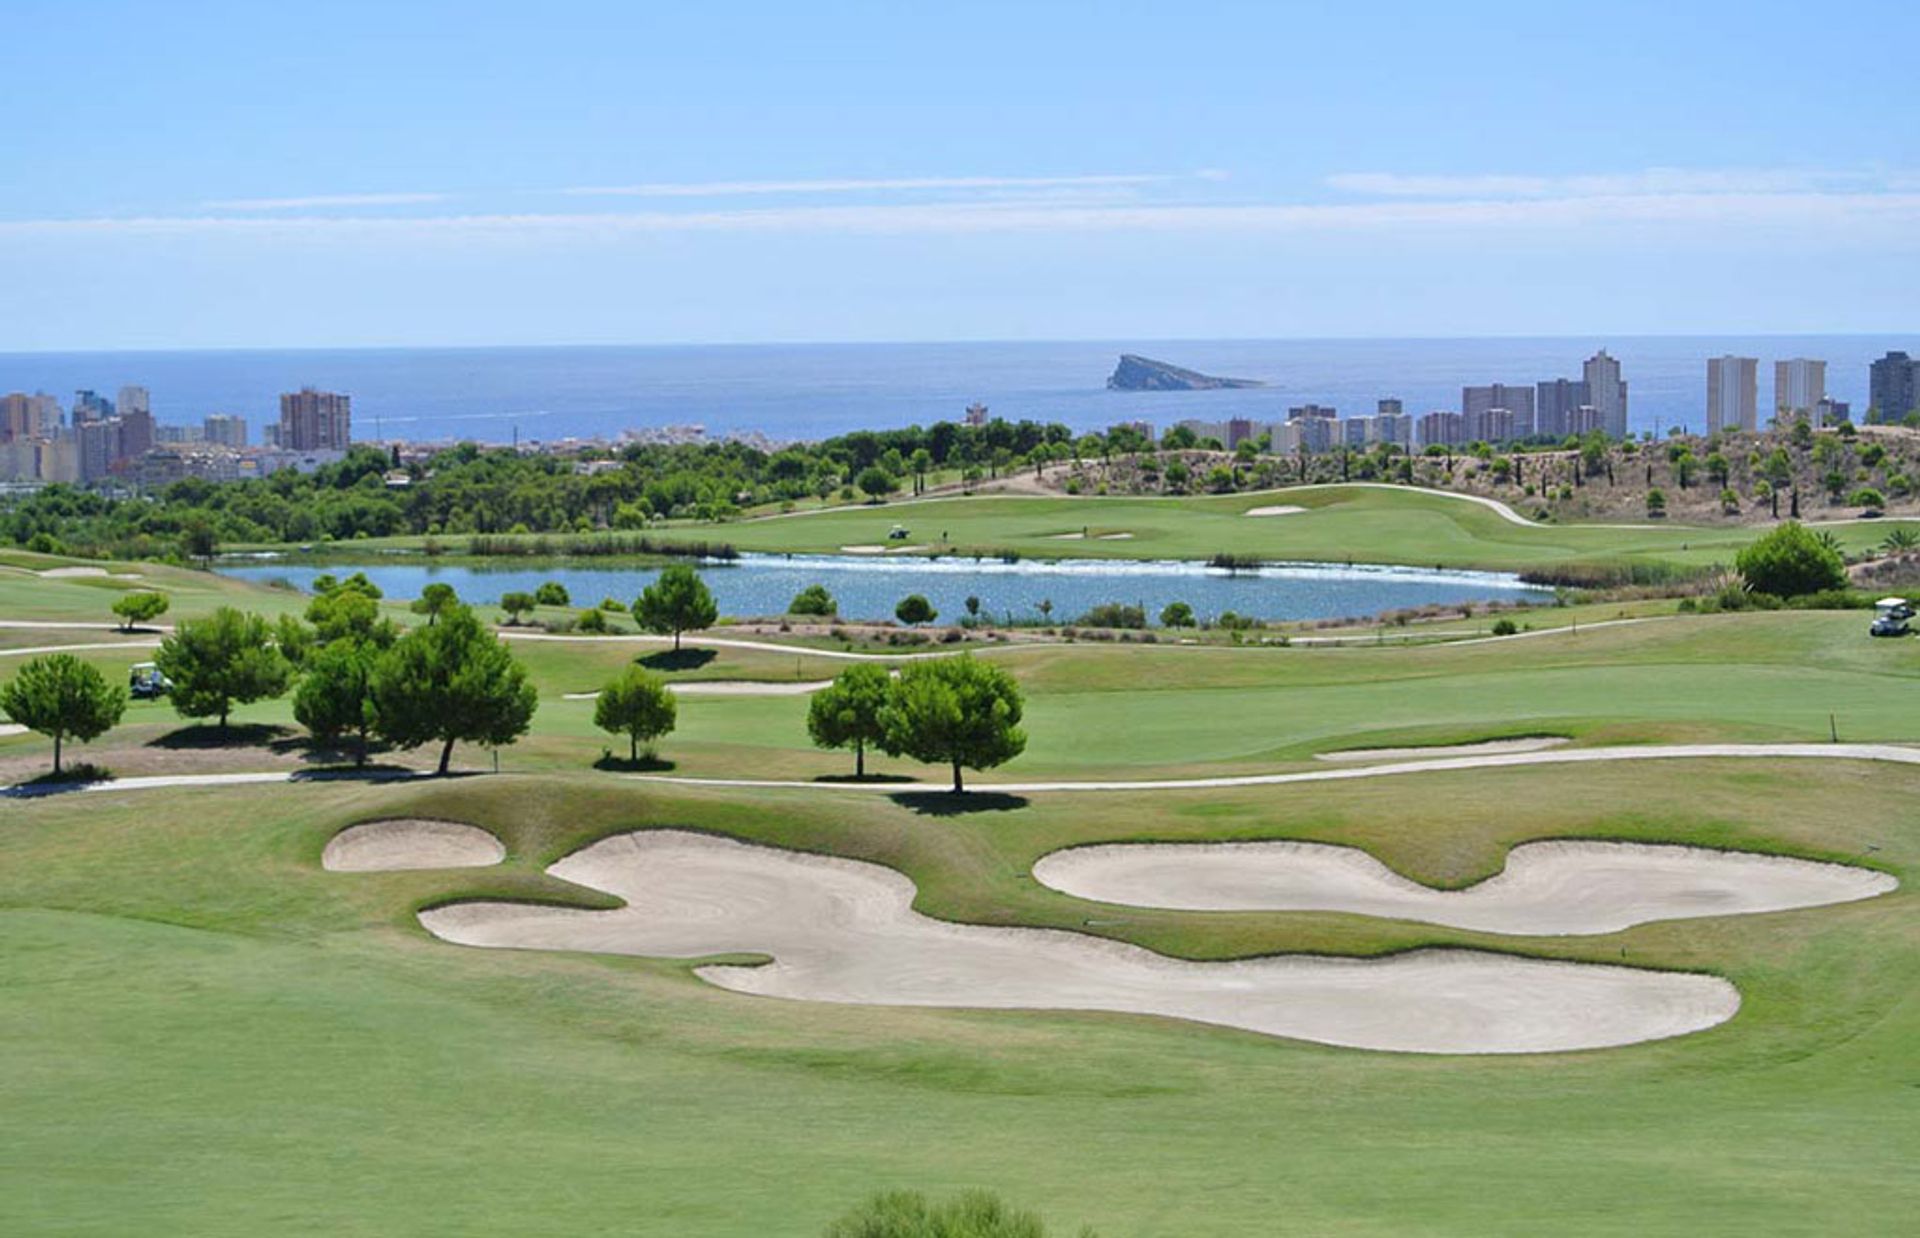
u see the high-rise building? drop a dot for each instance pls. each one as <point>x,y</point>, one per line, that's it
<point>1516,400</point>
<point>1608,391</point>
<point>225,429</point>
<point>137,431</point>
<point>1733,394</point>
<point>1395,428</point>
<point>1894,386</point>
<point>1239,430</point>
<point>323,421</point>
<point>90,406</point>
<point>1490,425</point>
<point>134,399</point>
<point>1798,387</point>
<point>98,444</point>
<point>1556,403</point>
<point>1831,412</point>
<point>16,417</point>
<point>1390,407</point>
<point>1441,427</point>
<point>976,412</point>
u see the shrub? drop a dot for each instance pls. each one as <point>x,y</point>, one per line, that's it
<point>552,593</point>
<point>813,600</point>
<point>1114,615</point>
<point>1505,627</point>
<point>593,620</point>
<point>1868,499</point>
<point>1791,561</point>
<point>914,608</point>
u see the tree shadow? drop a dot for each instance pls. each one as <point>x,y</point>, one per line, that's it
<point>678,659</point>
<point>856,780</point>
<point>75,777</point>
<point>379,771</point>
<point>332,752</point>
<point>645,765</point>
<point>947,804</point>
<point>211,735</point>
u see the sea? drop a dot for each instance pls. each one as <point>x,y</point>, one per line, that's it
<point>811,391</point>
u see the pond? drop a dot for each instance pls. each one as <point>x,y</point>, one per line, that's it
<point>868,587</point>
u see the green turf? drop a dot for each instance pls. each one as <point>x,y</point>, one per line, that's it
<point>206,1035</point>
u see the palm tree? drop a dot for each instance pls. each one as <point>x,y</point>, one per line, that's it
<point>1898,540</point>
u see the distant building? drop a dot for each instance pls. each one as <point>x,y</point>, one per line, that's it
<point>1831,412</point>
<point>1143,428</point>
<point>134,400</point>
<point>225,429</point>
<point>1442,428</point>
<point>323,421</point>
<point>1732,394</point>
<point>98,447</point>
<point>1608,392</point>
<point>1395,428</point>
<point>1390,407</point>
<point>1556,404</point>
<point>1239,430</point>
<point>1491,425</point>
<point>1356,431</point>
<point>16,417</point>
<point>1313,426</point>
<point>1893,386</point>
<point>1515,401</point>
<point>1798,387</point>
<point>976,414</point>
<point>1215,430</point>
<point>90,406</point>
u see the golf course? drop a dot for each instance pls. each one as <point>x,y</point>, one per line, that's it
<point>1601,923</point>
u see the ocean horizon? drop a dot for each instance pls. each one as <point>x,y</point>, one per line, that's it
<point>812,391</point>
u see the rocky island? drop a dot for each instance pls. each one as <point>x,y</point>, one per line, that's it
<point>1136,373</point>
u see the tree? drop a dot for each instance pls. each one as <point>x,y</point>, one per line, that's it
<point>1868,498</point>
<point>451,681</point>
<point>1176,615</point>
<point>348,614</point>
<point>226,659</point>
<point>592,620</point>
<point>198,540</point>
<point>1790,561</point>
<point>907,1214</point>
<point>813,600</point>
<point>921,462</point>
<point>1656,502</point>
<point>849,712</point>
<point>973,607</point>
<point>637,705</point>
<point>956,711</point>
<point>60,696</point>
<point>435,600</point>
<point>517,604</point>
<point>914,608</point>
<point>876,482</point>
<point>139,608</point>
<point>552,593</point>
<point>335,696</point>
<point>1045,607</point>
<point>677,602</point>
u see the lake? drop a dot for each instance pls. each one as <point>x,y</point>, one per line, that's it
<point>869,587</point>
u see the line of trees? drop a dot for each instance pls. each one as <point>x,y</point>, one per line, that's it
<point>954,711</point>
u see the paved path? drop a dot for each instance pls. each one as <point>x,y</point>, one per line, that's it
<point>1893,753</point>
<point>150,643</point>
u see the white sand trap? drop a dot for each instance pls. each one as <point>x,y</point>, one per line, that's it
<point>1116,537</point>
<point>845,931</point>
<point>409,843</point>
<point>863,550</point>
<point>1099,537</point>
<point>1277,509</point>
<point>11,728</point>
<point>1547,888</point>
<point>1534,743</point>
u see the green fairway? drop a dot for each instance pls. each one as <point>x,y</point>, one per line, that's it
<point>208,1033</point>
<point>1340,524</point>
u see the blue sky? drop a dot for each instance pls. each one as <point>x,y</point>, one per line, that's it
<point>257,175</point>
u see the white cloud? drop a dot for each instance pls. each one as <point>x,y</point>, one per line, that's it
<point>1648,182</point>
<point>729,189</point>
<point>1833,213</point>
<point>323,200</point>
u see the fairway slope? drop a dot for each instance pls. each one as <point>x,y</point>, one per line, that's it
<point>1558,888</point>
<point>845,931</point>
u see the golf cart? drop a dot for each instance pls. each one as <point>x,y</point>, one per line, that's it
<point>146,683</point>
<point>1891,617</point>
<point>898,533</point>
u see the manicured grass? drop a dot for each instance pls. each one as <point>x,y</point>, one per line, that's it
<point>207,1035</point>
<point>1342,524</point>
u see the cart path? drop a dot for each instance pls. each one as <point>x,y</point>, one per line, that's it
<point>1896,754</point>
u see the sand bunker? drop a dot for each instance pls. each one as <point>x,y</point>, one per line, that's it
<point>1099,537</point>
<point>880,550</point>
<point>845,931</point>
<point>1278,509</point>
<point>1534,743</point>
<point>1547,888</point>
<point>11,728</point>
<point>409,843</point>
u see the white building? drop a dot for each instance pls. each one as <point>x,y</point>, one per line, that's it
<point>1608,392</point>
<point>1799,385</point>
<point>1733,394</point>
